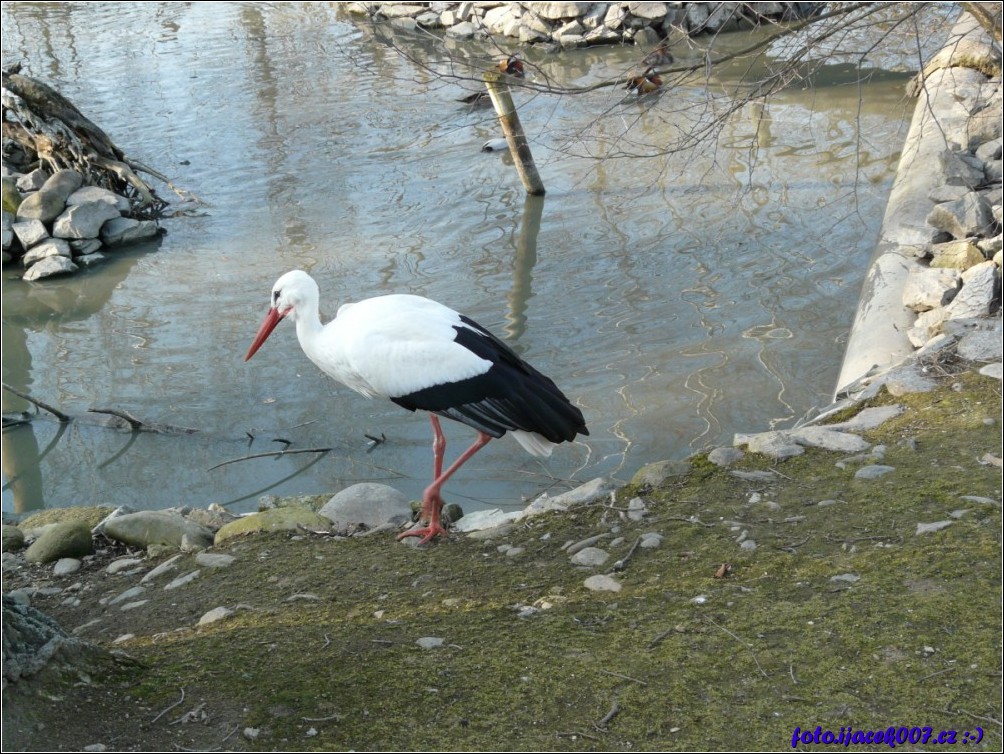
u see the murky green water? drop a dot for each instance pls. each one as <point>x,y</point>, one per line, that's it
<point>676,299</point>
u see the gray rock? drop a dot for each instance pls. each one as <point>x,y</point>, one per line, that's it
<point>32,181</point>
<point>49,201</point>
<point>777,445</point>
<point>936,345</point>
<point>146,528</point>
<point>97,194</point>
<point>54,247</point>
<point>850,578</point>
<point>166,567</point>
<point>656,473</point>
<point>602,583</point>
<point>747,544</point>
<point>463,30</point>
<point>932,527</point>
<point>597,489</point>
<point>637,510</point>
<point>650,540</point>
<point>215,615</point>
<point>90,260</point>
<point>70,539</point>
<point>66,566</point>
<point>602,35</point>
<point>214,559</point>
<point>181,581</point>
<point>122,230</point>
<point>958,255</point>
<point>276,519</point>
<point>84,220</point>
<point>555,11</point>
<point>12,538</point>
<point>49,267</point>
<point>573,547</point>
<point>981,345</point>
<point>978,287</point>
<point>123,564</point>
<point>30,232</point>
<point>128,594</point>
<point>991,150</point>
<point>84,247</point>
<point>996,371</point>
<point>907,379</point>
<point>928,287</point>
<point>590,556</point>
<point>430,642</point>
<point>368,504</point>
<point>959,169</point>
<point>829,439</point>
<point>485,519</point>
<point>927,326</point>
<point>755,476</point>
<point>648,11</point>
<point>725,456</point>
<point>869,418</point>
<point>873,472</point>
<point>963,218</point>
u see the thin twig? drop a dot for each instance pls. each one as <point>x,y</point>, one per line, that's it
<point>652,644</point>
<point>938,672</point>
<point>321,719</point>
<point>171,707</point>
<point>134,423</point>
<point>745,643</point>
<point>45,406</point>
<point>621,564</point>
<point>276,453</point>
<point>601,723</point>
<point>625,677</point>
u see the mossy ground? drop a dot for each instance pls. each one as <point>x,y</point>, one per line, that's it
<point>321,653</point>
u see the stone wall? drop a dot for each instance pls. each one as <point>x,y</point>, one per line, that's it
<point>582,24</point>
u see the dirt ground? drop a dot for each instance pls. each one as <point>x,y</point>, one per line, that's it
<point>842,617</point>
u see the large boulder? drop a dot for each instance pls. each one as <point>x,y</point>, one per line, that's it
<point>46,203</point>
<point>145,528</point>
<point>368,504</point>
<point>70,539</point>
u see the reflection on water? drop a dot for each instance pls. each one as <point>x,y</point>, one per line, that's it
<point>676,299</point>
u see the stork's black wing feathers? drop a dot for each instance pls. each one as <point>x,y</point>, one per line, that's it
<point>510,395</point>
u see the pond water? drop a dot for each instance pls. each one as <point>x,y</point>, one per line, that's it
<point>676,298</point>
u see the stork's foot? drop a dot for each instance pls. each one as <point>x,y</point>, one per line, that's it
<point>427,533</point>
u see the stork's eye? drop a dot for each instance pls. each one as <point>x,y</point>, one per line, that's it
<point>275,297</point>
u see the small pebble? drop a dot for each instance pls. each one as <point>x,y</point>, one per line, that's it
<point>590,556</point>
<point>123,638</point>
<point>932,527</point>
<point>602,583</point>
<point>123,564</point>
<point>430,642</point>
<point>214,615</point>
<point>66,566</point>
<point>182,580</point>
<point>850,578</point>
<point>873,472</point>
<point>749,544</point>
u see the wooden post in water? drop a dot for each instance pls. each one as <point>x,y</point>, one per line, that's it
<point>498,90</point>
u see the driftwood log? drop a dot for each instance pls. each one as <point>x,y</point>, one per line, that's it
<point>52,132</point>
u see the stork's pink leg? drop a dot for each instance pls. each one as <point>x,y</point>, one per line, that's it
<point>432,501</point>
<point>438,446</point>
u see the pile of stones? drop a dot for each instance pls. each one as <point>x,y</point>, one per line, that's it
<point>53,224</point>
<point>582,24</point>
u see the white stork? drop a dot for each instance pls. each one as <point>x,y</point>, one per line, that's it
<point>423,355</point>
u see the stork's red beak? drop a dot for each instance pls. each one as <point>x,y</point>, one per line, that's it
<point>268,324</point>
